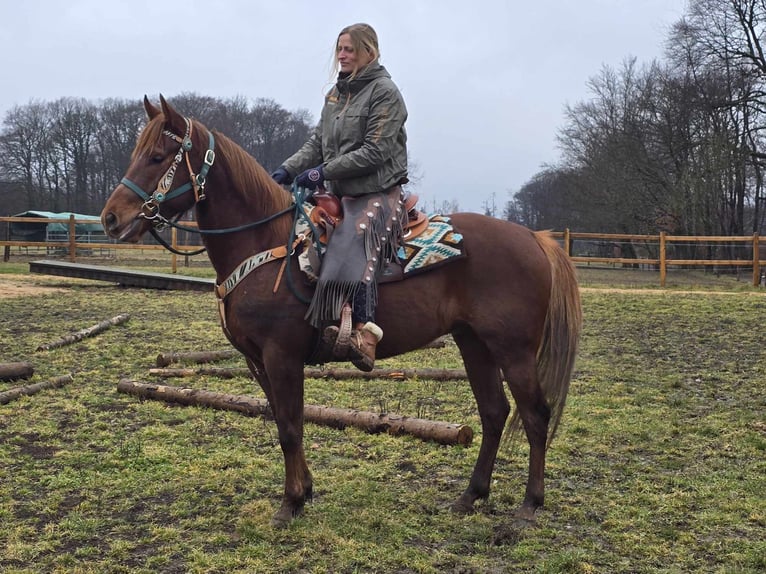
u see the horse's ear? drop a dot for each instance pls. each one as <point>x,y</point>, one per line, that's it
<point>176,121</point>
<point>152,111</point>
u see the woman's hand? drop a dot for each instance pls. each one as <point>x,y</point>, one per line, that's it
<point>311,178</point>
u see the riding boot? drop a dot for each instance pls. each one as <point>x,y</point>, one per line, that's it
<point>363,343</point>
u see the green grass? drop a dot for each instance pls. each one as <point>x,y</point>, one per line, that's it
<point>659,464</point>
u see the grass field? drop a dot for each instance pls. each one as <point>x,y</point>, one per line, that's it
<point>659,465</point>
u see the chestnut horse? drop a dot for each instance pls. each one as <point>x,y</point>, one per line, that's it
<point>512,304</point>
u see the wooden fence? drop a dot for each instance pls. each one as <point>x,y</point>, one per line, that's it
<point>661,244</point>
<point>72,247</point>
<point>655,248</point>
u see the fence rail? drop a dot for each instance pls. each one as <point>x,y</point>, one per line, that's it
<point>70,243</point>
<point>661,243</point>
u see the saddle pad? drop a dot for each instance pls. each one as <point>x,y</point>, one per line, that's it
<point>438,244</point>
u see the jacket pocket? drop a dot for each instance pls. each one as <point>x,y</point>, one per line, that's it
<point>354,126</point>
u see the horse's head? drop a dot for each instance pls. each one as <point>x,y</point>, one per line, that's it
<point>160,183</point>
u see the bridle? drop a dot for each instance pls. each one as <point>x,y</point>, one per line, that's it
<point>150,210</point>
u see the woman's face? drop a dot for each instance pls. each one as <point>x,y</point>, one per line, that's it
<point>348,59</point>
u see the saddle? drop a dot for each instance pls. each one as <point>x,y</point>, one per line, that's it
<point>328,214</point>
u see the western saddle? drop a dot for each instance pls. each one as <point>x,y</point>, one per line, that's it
<point>328,213</point>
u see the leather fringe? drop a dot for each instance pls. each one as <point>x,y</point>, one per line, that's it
<point>380,218</point>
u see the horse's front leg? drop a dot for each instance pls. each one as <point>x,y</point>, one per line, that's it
<point>283,384</point>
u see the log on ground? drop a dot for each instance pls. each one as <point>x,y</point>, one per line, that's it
<point>82,334</point>
<point>222,372</point>
<point>198,357</point>
<point>165,359</point>
<point>320,373</point>
<point>441,432</point>
<point>16,392</point>
<point>396,374</point>
<point>15,371</point>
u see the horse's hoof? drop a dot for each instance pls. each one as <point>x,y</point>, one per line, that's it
<point>284,516</point>
<point>525,516</point>
<point>281,519</point>
<point>461,506</point>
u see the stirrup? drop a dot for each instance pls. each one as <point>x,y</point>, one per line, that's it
<point>340,349</point>
<point>339,338</point>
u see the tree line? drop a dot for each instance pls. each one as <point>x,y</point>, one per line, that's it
<point>675,146</point>
<point>67,155</point>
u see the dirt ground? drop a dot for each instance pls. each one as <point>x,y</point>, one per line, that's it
<point>25,286</point>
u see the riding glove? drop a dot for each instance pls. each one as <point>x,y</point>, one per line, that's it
<point>281,176</point>
<point>311,178</point>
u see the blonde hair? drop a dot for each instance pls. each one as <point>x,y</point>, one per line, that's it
<point>363,39</point>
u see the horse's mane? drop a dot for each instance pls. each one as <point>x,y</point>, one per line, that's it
<point>247,176</point>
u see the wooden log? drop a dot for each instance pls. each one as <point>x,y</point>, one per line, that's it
<point>317,373</point>
<point>222,372</point>
<point>165,359</point>
<point>82,334</point>
<point>16,392</point>
<point>395,374</point>
<point>441,432</point>
<point>14,371</point>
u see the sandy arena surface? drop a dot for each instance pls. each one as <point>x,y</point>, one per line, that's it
<point>26,286</point>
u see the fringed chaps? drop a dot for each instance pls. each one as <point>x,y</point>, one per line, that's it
<point>359,249</point>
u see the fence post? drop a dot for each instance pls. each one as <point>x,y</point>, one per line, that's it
<point>567,243</point>
<point>756,260</point>
<point>72,239</point>
<point>663,258</point>
<point>174,243</point>
<point>7,250</point>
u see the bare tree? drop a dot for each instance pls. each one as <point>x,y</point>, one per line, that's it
<point>550,200</point>
<point>720,45</point>
<point>608,142</point>
<point>73,131</point>
<point>24,138</point>
<point>120,122</point>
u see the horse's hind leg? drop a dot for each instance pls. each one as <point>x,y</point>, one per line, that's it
<point>534,412</point>
<point>487,385</point>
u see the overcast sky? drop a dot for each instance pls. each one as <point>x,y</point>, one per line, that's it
<point>485,81</point>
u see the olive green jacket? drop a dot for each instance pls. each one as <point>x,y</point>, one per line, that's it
<point>360,140</point>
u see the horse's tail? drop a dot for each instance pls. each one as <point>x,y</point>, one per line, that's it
<point>563,323</point>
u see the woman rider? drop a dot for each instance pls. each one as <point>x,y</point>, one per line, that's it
<point>359,153</point>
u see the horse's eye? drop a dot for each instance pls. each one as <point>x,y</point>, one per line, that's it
<point>157,158</point>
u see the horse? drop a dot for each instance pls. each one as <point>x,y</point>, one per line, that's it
<point>512,304</point>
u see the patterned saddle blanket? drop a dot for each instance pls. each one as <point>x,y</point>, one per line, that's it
<point>438,244</point>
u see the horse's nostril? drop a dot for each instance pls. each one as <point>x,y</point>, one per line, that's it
<point>110,219</point>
